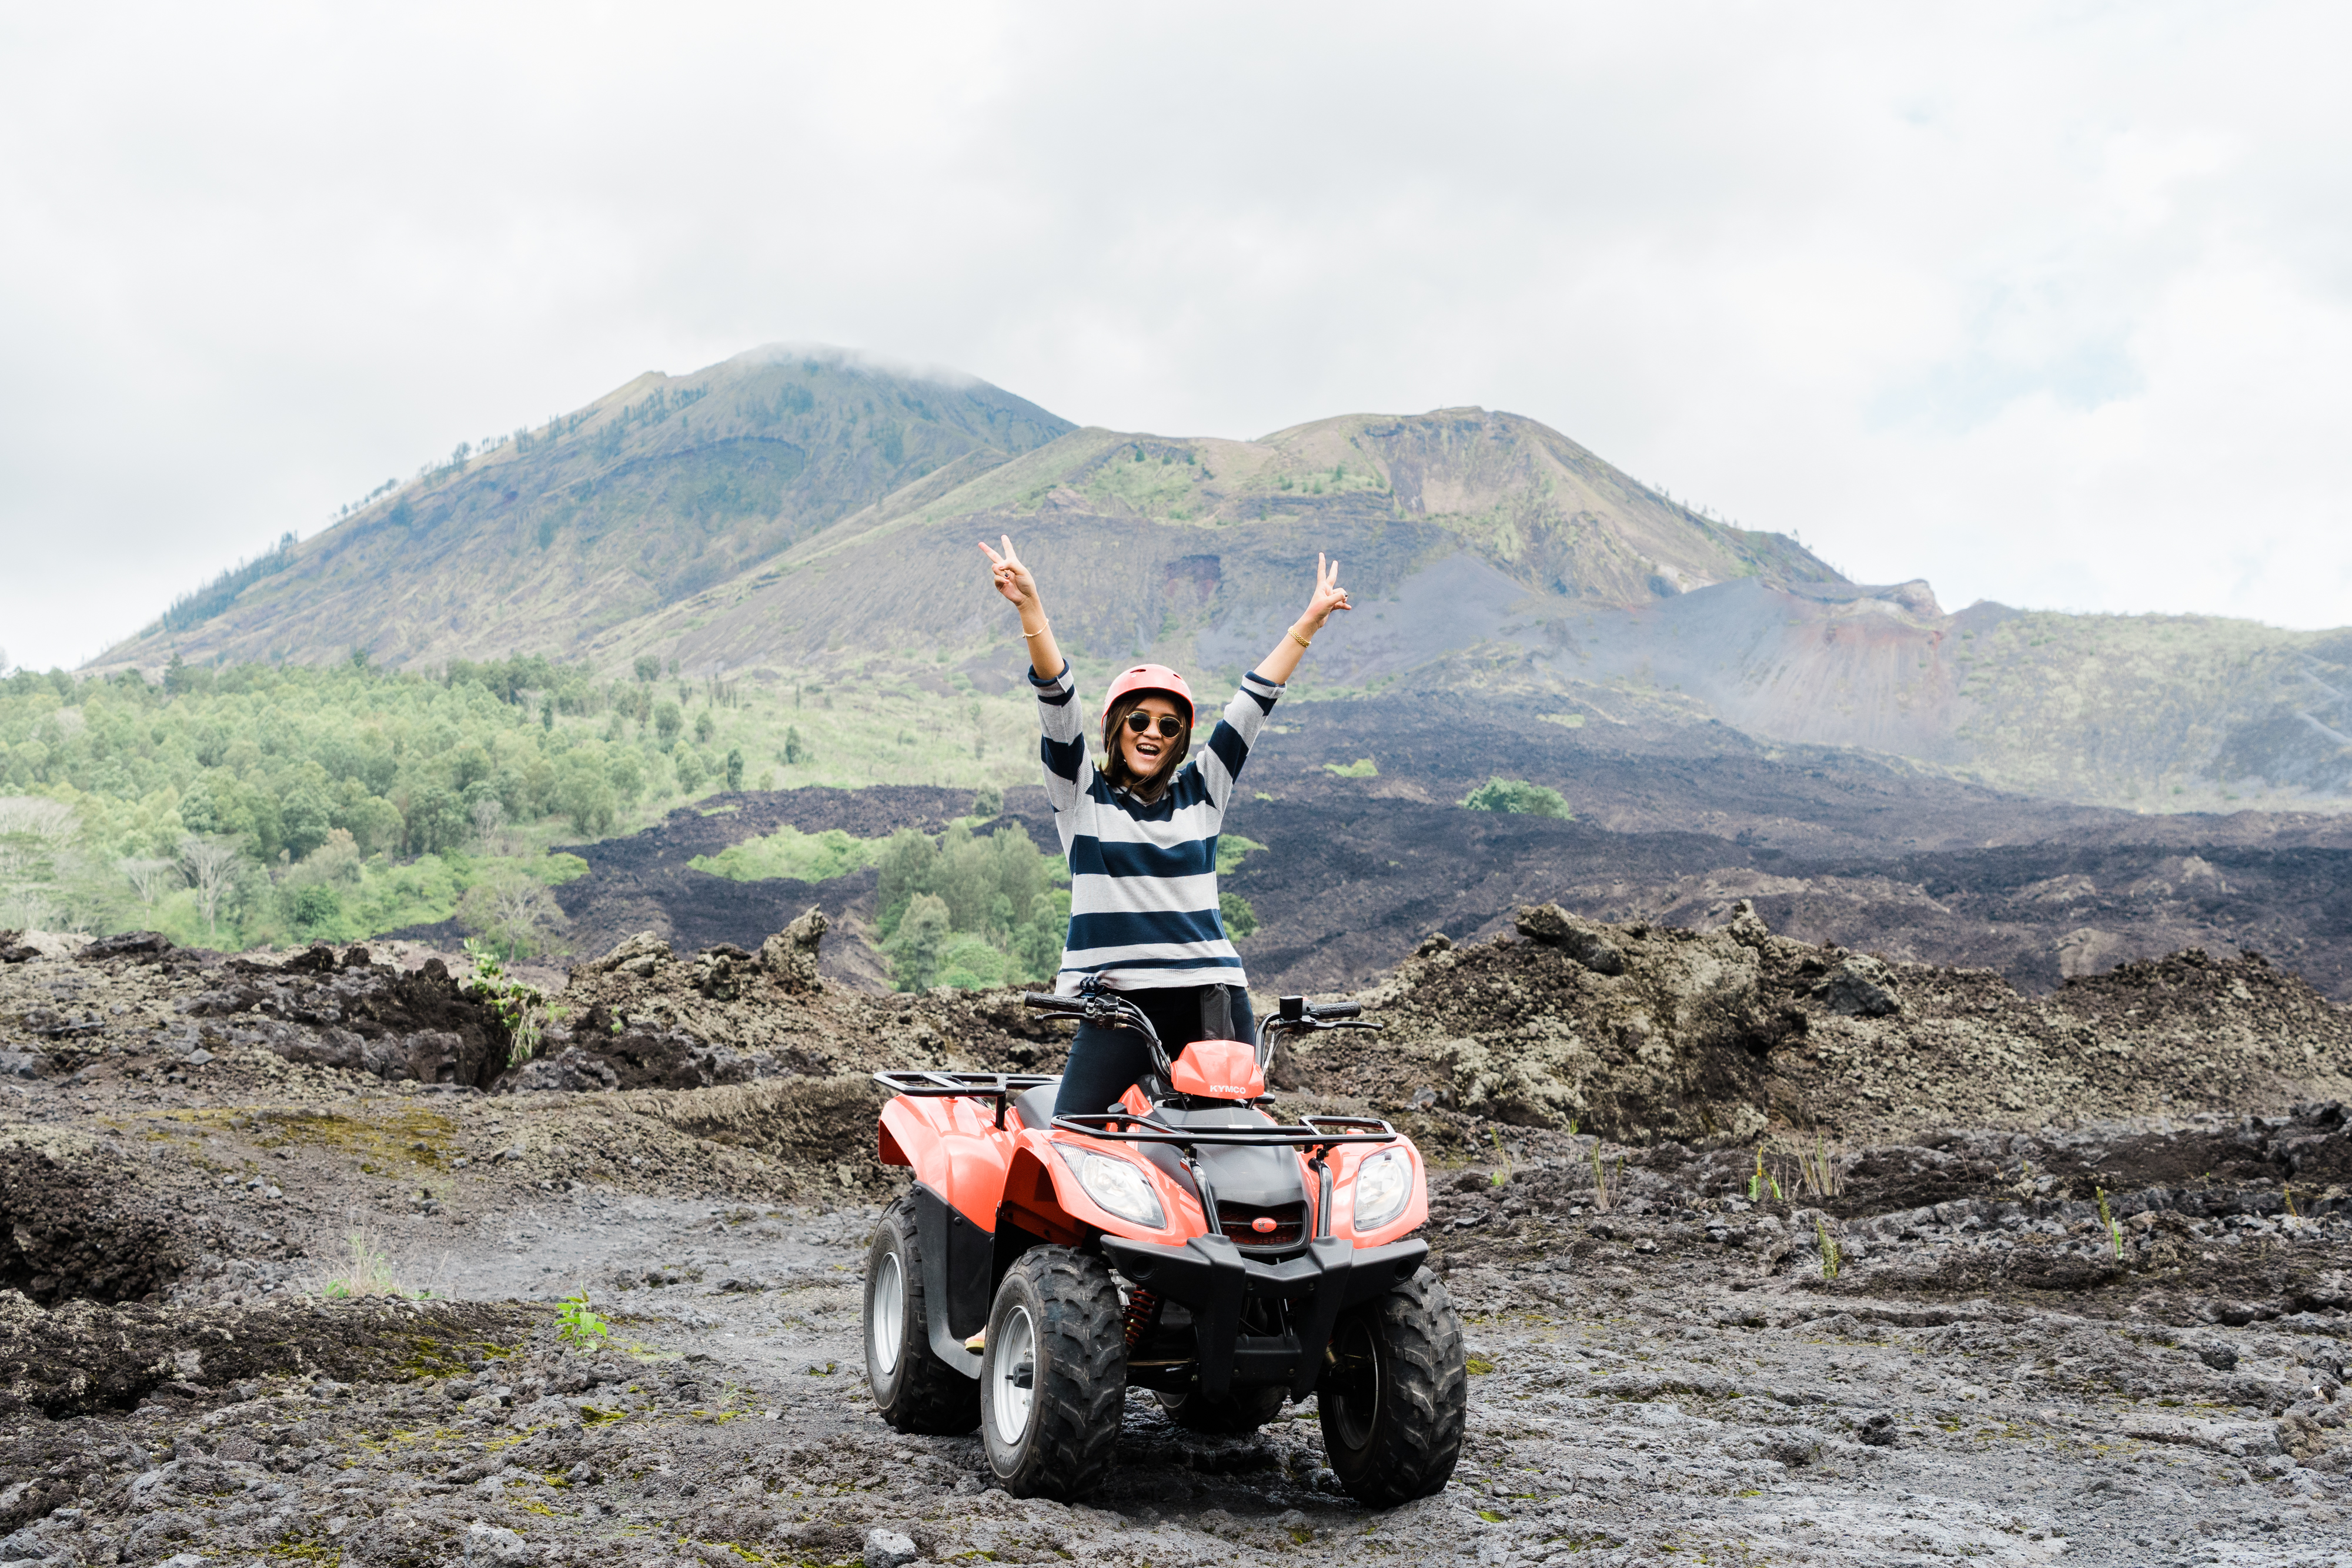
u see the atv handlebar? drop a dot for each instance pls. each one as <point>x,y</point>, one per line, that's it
<point>1104,1009</point>
<point>1109,1010</point>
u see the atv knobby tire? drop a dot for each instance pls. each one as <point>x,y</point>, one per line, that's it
<point>1393,1399</point>
<point>1243,1410</point>
<point>914,1389</point>
<point>1053,1379</point>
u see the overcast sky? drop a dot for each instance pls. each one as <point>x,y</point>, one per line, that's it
<point>2050,304</point>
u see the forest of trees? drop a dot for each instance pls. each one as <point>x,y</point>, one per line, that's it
<point>261,803</point>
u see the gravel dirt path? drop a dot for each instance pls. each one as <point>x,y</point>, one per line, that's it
<point>1950,1353</point>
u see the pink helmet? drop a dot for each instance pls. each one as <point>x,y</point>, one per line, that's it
<point>1153,678</point>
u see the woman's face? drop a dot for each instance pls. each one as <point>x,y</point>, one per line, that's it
<point>1147,753</point>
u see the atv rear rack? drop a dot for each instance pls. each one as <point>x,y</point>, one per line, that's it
<point>1000,1087</point>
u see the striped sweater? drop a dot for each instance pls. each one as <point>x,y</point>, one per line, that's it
<point>1143,879</point>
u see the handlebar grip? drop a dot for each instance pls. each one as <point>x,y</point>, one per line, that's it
<point>1337,1011</point>
<point>1046,999</point>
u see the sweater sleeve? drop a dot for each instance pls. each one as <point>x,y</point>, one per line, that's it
<point>1230,742</point>
<point>1064,747</point>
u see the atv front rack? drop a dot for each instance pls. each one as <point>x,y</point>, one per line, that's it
<point>1311,1130</point>
<point>1000,1087</point>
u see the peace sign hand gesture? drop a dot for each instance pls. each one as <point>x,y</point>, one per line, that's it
<point>1328,595</point>
<point>1013,579</point>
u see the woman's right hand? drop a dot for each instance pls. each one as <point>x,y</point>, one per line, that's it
<point>1013,579</point>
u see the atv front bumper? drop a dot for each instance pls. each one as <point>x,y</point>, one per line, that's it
<point>1210,1276</point>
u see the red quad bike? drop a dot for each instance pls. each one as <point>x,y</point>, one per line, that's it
<point>1183,1241</point>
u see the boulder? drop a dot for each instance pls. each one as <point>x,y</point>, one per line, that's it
<point>493,1546</point>
<point>1580,939</point>
<point>1746,926</point>
<point>635,955</point>
<point>47,944</point>
<point>138,946</point>
<point>718,970</point>
<point>790,955</point>
<point>1860,987</point>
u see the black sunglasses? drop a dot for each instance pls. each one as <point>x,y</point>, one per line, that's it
<point>1171,727</point>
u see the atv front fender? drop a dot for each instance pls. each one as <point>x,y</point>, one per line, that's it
<point>1210,1276</point>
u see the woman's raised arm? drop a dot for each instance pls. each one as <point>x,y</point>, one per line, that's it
<point>1014,581</point>
<point>1327,598</point>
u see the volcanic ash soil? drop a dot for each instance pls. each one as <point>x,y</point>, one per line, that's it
<point>1767,1252</point>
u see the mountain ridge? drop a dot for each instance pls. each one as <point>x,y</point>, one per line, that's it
<point>645,508</point>
<point>806,509</point>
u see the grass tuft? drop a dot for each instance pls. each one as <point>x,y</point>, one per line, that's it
<point>370,1272</point>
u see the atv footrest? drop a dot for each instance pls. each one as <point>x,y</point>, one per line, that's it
<point>1212,1278</point>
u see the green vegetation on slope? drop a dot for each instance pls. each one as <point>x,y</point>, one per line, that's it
<point>261,804</point>
<point>789,852</point>
<point>971,910</point>
<point>264,804</point>
<point>1519,795</point>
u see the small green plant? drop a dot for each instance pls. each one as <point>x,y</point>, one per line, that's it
<point>1362,768</point>
<point>577,1324</point>
<point>1600,1178</point>
<point>1830,1258</point>
<point>1763,1180</point>
<point>2115,1231</point>
<point>2289,1191</point>
<point>369,1275</point>
<point>1817,1171</point>
<point>521,1009</point>
<point>1499,1177</point>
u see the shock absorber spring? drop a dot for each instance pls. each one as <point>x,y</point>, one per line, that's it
<point>1143,1314</point>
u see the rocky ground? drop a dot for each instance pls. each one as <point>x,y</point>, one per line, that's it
<point>284,1246</point>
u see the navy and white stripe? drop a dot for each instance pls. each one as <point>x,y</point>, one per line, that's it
<point>1143,879</point>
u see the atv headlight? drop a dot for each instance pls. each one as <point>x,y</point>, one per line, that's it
<point>1382,1184</point>
<point>1119,1187</point>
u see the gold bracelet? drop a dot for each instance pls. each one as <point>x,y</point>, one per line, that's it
<point>1040,631</point>
<point>1297,638</point>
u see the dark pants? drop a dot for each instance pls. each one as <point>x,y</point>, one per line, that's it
<point>1106,1062</point>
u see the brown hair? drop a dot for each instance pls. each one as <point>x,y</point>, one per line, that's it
<point>1115,768</point>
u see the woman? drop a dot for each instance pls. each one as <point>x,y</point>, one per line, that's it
<point>1142,835</point>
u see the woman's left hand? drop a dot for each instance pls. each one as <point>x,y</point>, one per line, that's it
<point>1329,596</point>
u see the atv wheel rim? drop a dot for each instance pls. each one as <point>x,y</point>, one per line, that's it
<point>1353,1386</point>
<point>886,1315</point>
<point>1012,1381</point>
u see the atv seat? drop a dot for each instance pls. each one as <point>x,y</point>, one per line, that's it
<point>1036,1105</point>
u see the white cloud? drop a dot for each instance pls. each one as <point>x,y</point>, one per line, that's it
<point>2048,304</point>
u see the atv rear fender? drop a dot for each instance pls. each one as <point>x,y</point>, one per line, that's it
<point>954,1148</point>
